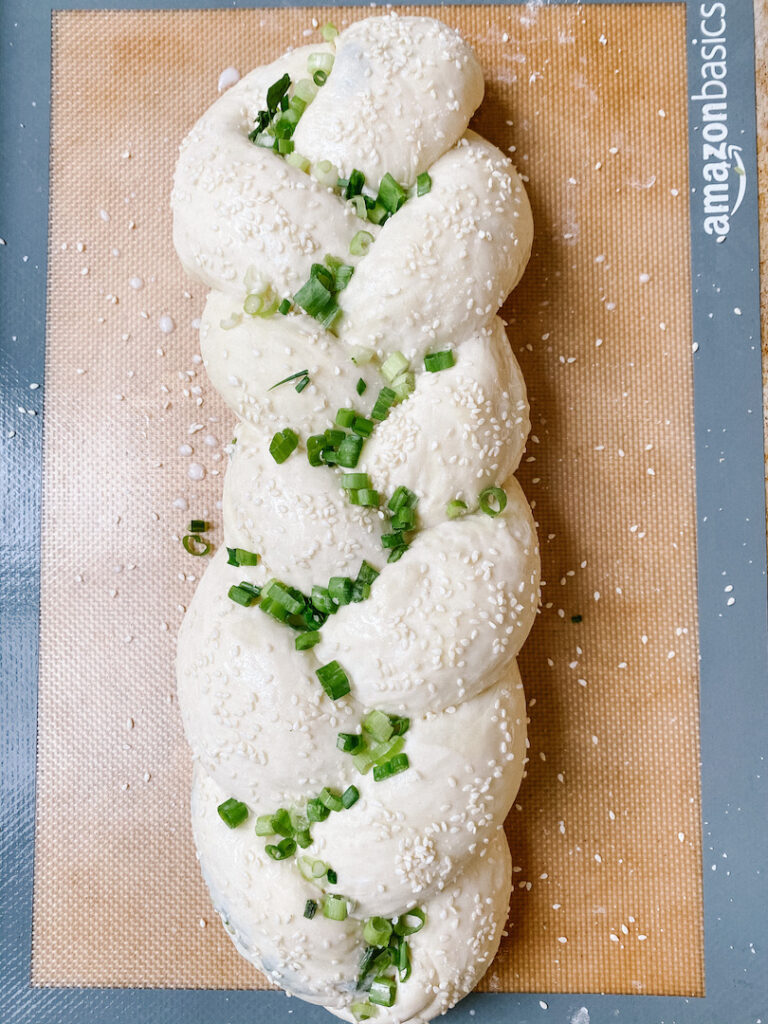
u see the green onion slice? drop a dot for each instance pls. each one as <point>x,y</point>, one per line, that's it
<point>350,796</point>
<point>435,361</point>
<point>391,194</point>
<point>393,366</point>
<point>410,922</point>
<point>232,812</point>
<point>376,931</point>
<point>378,725</point>
<point>492,501</point>
<point>394,766</point>
<point>361,243</point>
<point>334,680</point>
<point>383,991</point>
<point>454,509</point>
<point>191,542</point>
<point>310,909</point>
<point>335,907</point>
<point>284,849</point>
<point>198,526</point>
<point>283,444</point>
<point>306,640</point>
<point>293,376</point>
<point>244,594</point>
<point>423,184</point>
<point>264,825</point>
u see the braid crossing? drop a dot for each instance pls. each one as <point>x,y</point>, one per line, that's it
<point>436,639</point>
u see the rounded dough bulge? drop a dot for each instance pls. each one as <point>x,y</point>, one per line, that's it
<point>460,431</point>
<point>444,620</point>
<point>297,515</point>
<point>254,713</point>
<point>408,835</point>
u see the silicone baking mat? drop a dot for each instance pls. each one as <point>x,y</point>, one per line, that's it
<point>605,834</point>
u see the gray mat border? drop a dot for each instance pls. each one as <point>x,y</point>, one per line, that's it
<point>731,547</point>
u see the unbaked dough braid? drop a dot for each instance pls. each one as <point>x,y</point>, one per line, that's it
<point>437,638</point>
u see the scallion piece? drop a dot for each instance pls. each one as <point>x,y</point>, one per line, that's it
<point>402,497</point>
<point>304,382</point>
<point>377,930</point>
<point>246,557</point>
<point>384,402</point>
<point>320,77</point>
<point>342,272</point>
<point>304,838</point>
<point>333,679</point>
<point>354,481</point>
<point>281,823</point>
<point>304,641</point>
<point>198,526</point>
<point>283,444</point>
<point>305,90</point>
<point>349,742</point>
<point>331,876</point>
<point>381,752</point>
<point>492,501</point>
<point>397,553</point>
<point>263,825</point>
<point>404,385</point>
<point>383,991</point>
<point>365,496</point>
<point>316,444</point>
<point>363,761</point>
<point>363,1010</point>
<point>378,725</point>
<point>232,556</point>
<point>310,909</point>
<point>363,426</point>
<point>324,171</point>
<point>456,508</point>
<point>284,849</point>
<point>263,303</point>
<point>355,184</point>
<point>323,601</point>
<point>394,766</point>
<point>360,386</point>
<point>329,32</point>
<point>330,799</point>
<point>335,907</point>
<point>392,540</point>
<point>367,573</point>
<point>320,62</point>
<point>329,315</point>
<point>400,726</point>
<point>404,519</point>
<point>435,361</point>
<point>232,812</point>
<point>190,543</point>
<point>275,93</point>
<point>313,296</point>
<point>410,922</point>
<point>340,589</point>
<point>317,811</point>
<point>361,243</point>
<point>423,184</point>
<point>348,454</point>
<point>350,796</point>
<point>246,596</point>
<point>391,194</point>
<point>403,961</point>
<point>284,147</point>
<point>345,417</point>
<point>378,213</point>
<point>393,366</point>
<point>293,376</point>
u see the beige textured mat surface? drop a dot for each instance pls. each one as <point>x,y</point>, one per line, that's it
<point>605,834</point>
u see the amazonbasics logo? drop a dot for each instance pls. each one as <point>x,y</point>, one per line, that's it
<point>725,181</point>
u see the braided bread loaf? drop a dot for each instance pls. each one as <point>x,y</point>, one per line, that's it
<point>430,645</point>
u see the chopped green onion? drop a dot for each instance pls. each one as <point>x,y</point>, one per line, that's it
<point>363,761</point>
<point>293,376</point>
<point>404,520</point>
<point>304,382</point>
<point>404,385</point>
<point>298,104</point>
<point>190,542</point>
<point>455,508</point>
<point>340,589</point>
<point>332,876</point>
<point>310,909</point>
<point>492,501</point>
<point>283,444</point>
<point>246,557</point>
<point>384,402</point>
<point>391,540</point>
<point>284,148</point>
<point>334,680</point>
<point>378,724</point>
<point>317,811</point>
<point>335,907</point>
<point>400,726</point>
<point>435,361</point>
<point>243,595</point>
<point>363,1010</point>
<point>363,426</point>
<point>383,991</point>
<point>342,272</point>
<point>304,838</point>
<point>361,243</point>
<point>397,553</point>
<point>304,641</point>
<point>406,925</point>
<point>297,160</point>
<point>345,417</point>
<point>354,481</point>
<point>281,823</point>
<point>367,573</point>
<point>365,496</point>
<point>403,961</point>
<point>324,171</point>
<point>263,303</point>
<point>373,959</point>
<point>316,443</point>
<point>311,868</point>
<point>305,90</point>
<point>393,366</point>
<point>360,386</point>
<point>350,796</point>
<point>320,62</point>
<point>355,184</point>
<point>397,764</point>
<point>323,601</point>
<point>276,91</point>
<point>383,751</point>
<point>264,825</point>
<point>320,77</point>
<point>577,618</point>
<point>329,32</point>
<point>376,931</point>
<point>232,812</point>
<point>233,320</point>
<point>349,742</point>
<point>329,316</point>
<point>348,454</point>
<point>378,213</point>
<point>284,849</point>
<point>402,497</point>
<point>360,355</point>
<point>423,184</point>
<point>391,195</point>
<point>313,297</point>
<point>358,205</point>
<point>232,556</point>
<point>198,526</point>
<point>330,799</point>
